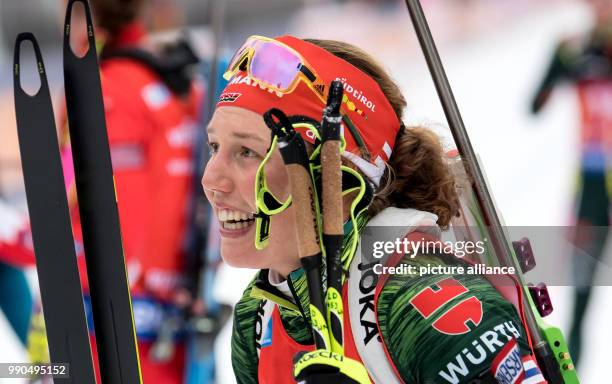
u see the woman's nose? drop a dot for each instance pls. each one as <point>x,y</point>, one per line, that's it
<point>216,177</point>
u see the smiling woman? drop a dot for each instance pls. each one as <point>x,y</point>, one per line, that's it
<point>238,140</point>
<point>393,176</point>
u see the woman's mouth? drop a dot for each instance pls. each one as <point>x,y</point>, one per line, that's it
<point>234,223</point>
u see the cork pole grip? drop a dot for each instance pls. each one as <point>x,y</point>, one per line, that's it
<point>332,187</point>
<point>303,203</point>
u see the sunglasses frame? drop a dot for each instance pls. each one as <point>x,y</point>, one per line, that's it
<point>244,57</point>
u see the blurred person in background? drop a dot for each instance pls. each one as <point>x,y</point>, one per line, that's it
<point>585,62</point>
<point>152,101</point>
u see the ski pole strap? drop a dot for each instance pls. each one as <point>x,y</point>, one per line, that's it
<point>295,156</point>
<point>267,204</point>
<point>58,276</point>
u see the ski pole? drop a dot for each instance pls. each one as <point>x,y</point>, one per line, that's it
<point>58,275</point>
<point>295,156</point>
<point>108,281</point>
<point>544,354</point>
<point>333,232</point>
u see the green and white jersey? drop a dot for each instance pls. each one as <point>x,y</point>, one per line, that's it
<point>425,329</point>
<point>438,337</point>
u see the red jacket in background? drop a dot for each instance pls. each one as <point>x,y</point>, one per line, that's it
<point>151,133</point>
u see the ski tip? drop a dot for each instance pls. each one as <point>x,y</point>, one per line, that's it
<point>26,36</point>
<point>68,18</point>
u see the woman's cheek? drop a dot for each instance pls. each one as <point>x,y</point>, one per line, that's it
<point>277,177</point>
<point>247,188</point>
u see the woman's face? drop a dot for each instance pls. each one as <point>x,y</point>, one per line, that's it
<point>238,141</point>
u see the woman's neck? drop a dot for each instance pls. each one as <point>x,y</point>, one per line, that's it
<point>285,269</point>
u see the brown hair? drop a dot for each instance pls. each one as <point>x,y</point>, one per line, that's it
<point>417,175</point>
<point>114,15</point>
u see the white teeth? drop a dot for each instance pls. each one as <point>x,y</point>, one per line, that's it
<point>225,215</point>
<point>239,225</point>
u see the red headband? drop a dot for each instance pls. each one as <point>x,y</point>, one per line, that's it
<point>370,111</point>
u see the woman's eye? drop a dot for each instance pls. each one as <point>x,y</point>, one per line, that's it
<point>246,152</point>
<point>213,148</point>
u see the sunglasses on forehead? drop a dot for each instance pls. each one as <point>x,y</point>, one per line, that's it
<point>279,67</point>
<point>276,66</point>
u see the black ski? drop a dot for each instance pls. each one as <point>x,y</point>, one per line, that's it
<point>108,283</point>
<point>58,276</point>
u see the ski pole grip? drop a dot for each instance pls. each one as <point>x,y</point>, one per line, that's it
<point>295,157</point>
<point>309,250</point>
<point>331,162</point>
<point>302,195</point>
<point>331,114</point>
<point>332,187</point>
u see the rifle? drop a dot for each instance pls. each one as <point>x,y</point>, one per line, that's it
<point>549,344</point>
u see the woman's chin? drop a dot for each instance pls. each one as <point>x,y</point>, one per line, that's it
<point>241,258</point>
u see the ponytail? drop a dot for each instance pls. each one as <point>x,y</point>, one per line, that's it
<point>418,177</point>
<point>417,174</point>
